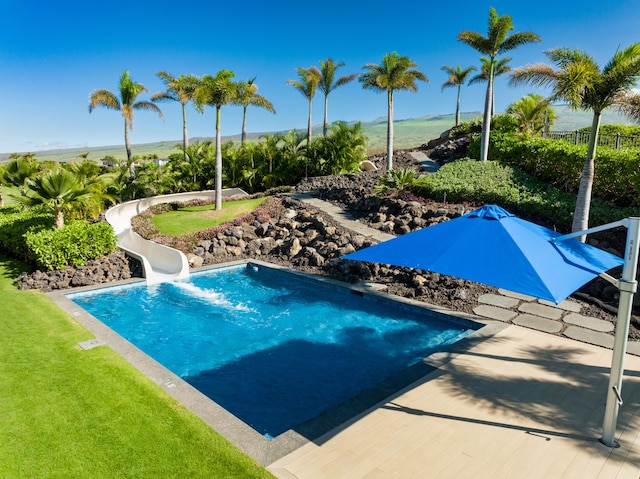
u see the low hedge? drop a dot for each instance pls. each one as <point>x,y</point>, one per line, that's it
<point>472,181</point>
<point>72,245</point>
<point>617,172</point>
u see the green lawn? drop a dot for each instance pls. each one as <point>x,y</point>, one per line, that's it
<point>69,413</point>
<point>197,218</point>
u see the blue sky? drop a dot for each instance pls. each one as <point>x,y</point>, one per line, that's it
<point>54,54</point>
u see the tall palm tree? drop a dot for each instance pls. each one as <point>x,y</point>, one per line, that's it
<point>216,91</point>
<point>457,78</point>
<point>497,42</point>
<point>247,94</point>
<point>394,73</point>
<point>179,89</point>
<point>307,85</point>
<point>580,82</point>
<point>126,104</point>
<point>500,67</point>
<point>59,190</point>
<point>328,83</point>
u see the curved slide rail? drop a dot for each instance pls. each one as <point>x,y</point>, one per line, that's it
<point>160,263</point>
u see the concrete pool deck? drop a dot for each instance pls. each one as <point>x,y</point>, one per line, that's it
<point>521,404</point>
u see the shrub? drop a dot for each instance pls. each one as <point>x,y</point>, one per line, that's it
<point>72,245</point>
<point>492,182</point>
<point>617,172</point>
<point>14,224</point>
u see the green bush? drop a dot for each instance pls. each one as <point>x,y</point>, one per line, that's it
<point>617,172</point>
<point>477,182</point>
<point>15,223</point>
<point>73,245</point>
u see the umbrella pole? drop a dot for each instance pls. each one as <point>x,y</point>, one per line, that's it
<point>627,286</point>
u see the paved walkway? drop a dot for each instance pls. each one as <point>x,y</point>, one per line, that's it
<point>563,319</point>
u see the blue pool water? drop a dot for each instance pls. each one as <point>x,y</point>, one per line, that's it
<point>273,348</point>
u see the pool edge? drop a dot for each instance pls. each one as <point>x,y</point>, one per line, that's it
<point>248,440</point>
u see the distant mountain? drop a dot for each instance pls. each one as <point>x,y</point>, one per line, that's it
<point>408,133</point>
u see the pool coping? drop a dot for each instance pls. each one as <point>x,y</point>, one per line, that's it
<point>263,450</point>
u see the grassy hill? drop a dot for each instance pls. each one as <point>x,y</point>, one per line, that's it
<point>408,133</point>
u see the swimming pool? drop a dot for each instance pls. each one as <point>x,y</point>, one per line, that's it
<point>272,347</point>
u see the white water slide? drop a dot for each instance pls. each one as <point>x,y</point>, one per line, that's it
<point>160,263</point>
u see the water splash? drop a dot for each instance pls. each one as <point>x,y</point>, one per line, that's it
<point>211,296</point>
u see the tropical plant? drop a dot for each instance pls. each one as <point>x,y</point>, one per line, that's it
<point>216,91</point>
<point>533,113</point>
<point>307,85</point>
<point>395,182</point>
<point>125,104</point>
<point>394,73</point>
<point>247,94</point>
<point>340,152</point>
<point>500,67</point>
<point>457,78</point>
<point>58,190</point>
<point>496,42</point>
<point>18,171</point>
<point>181,90</point>
<point>193,170</point>
<point>328,83</point>
<point>580,82</point>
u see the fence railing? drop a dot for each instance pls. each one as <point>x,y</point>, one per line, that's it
<point>578,137</point>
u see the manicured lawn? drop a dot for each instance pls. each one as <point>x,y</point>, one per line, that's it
<point>196,218</point>
<point>69,413</point>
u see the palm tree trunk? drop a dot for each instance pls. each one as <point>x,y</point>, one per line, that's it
<point>59,219</point>
<point>185,134</point>
<point>244,126</point>
<point>309,124</point>
<point>390,130</point>
<point>458,107</point>
<point>583,201</point>
<point>486,121</point>
<point>127,145</point>
<point>218,162</point>
<point>325,124</point>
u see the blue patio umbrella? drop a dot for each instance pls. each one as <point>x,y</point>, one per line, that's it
<point>494,247</point>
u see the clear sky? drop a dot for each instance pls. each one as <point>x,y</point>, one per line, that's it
<point>53,54</point>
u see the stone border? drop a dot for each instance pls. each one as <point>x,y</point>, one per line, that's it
<point>258,447</point>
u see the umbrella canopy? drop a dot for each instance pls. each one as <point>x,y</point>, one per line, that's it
<point>494,247</point>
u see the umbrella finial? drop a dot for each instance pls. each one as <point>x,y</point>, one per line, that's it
<point>491,212</point>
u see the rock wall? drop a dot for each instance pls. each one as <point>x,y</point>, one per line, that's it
<point>113,267</point>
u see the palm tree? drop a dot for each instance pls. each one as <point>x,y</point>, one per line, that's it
<point>247,94</point>
<point>500,67</point>
<point>580,82</point>
<point>495,43</point>
<point>307,85</point>
<point>533,113</point>
<point>179,89</point>
<point>394,73</point>
<point>18,171</point>
<point>328,83</point>
<point>216,91</point>
<point>58,190</point>
<point>126,104</point>
<point>457,78</point>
